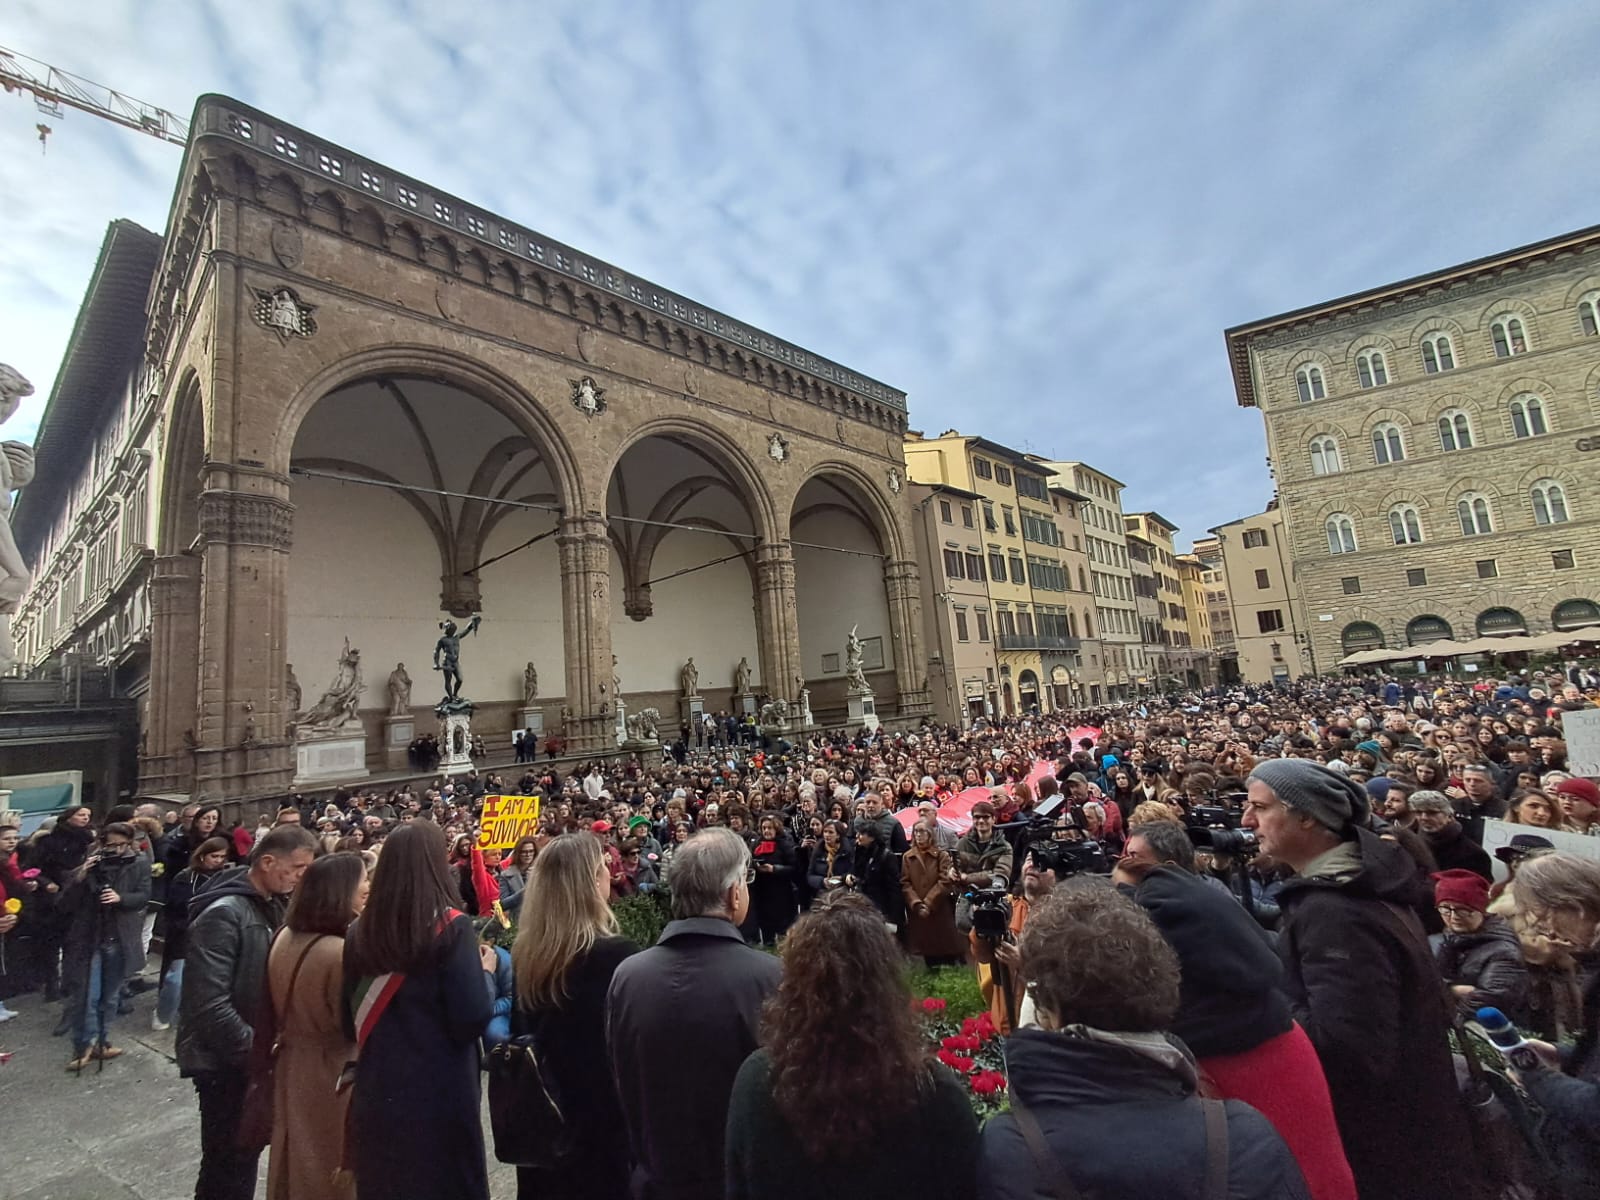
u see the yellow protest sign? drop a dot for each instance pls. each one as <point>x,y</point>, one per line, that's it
<point>505,819</point>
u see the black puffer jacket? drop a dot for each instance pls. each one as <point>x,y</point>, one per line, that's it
<point>1490,962</point>
<point>1229,1000</point>
<point>1362,983</point>
<point>1087,1096</point>
<point>230,931</point>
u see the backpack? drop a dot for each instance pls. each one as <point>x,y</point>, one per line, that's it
<point>525,1111</point>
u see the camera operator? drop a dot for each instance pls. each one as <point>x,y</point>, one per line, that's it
<point>982,860</point>
<point>1231,1013</point>
<point>103,944</point>
<point>994,946</point>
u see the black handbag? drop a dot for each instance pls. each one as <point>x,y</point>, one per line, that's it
<point>526,1118</point>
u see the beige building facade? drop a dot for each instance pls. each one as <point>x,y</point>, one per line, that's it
<point>1110,576</point>
<point>612,476</point>
<point>963,672</point>
<point>1435,447</point>
<point>1270,636</point>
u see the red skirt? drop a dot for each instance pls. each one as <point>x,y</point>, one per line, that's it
<point>1282,1079</point>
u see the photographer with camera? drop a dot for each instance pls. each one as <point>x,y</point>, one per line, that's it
<point>997,924</point>
<point>105,900</point>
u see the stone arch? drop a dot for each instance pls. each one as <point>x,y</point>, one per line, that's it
<point>867,494</point>
<point>183,458</point>
<point>1361,635</point>
<point>1404,495</point>
<point>1589,283</point>
<point>1470,483</point>
<point>1514,305</point>
<point>1436,323</point>
<point>723,451</point>
<point>1430,626</point>
<point>1495,619</point>
<point>1375,341</point>
<point>458,371</point>
<point>1575,612</point>
<point>1548,470</point>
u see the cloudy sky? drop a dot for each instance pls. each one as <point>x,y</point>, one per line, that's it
<point>1035,219</point>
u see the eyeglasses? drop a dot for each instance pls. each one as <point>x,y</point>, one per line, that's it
<point>749,874</point>
<point>1454,910</point>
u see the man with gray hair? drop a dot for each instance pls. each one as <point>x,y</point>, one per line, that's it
<point>683,1016</point>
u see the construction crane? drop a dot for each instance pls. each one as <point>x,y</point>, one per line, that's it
<point>54,91</point>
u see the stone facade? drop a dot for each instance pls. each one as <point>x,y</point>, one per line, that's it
<point>294,270</point>
<point>962,670</point>
<point>1434,444</point>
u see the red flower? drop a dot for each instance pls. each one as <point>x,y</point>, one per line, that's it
<point>969,1027</point>
<point>986,1029</point>
<point>987,1083</point>
<point>953,1043</point>
<point>933,1004</point>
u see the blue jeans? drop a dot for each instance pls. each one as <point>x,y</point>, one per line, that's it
<point>171,992</point>
<point>98,1006</point>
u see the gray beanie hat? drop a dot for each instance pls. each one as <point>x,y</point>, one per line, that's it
<point>1430,801</point>
<point>1328,797</point>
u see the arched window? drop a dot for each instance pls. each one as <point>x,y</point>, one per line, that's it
<point>1527,416</point>
<point>1386,444</point>
<point>1341,534</point>
<point>1325,456</point>
<point>1508,337</point>
<point>1088,625</point>
<point>1371,370</point>
<point>1575,614</point>
<point>1308,381</point>
<point>1549,502</point>
<point>1361,635</point>
<point>1589,314</point>
<point>1405,524</point>
<point>1455,431</point>
<point>1437,353</point>
<point>1472,510</point>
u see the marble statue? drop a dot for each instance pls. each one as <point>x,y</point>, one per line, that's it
<point>741,678</point>
<point>689,678</point>
<point>399,691</point>
<point>530,684</point>
<point>447,656</point>
<point>854,677</point>
<point>339,703</point>
<point>616,678</point>
<point>291,687</point>
<point>16,470</point>
<point>775,712</point>
<point>642,725</point>
<point>806,719</point>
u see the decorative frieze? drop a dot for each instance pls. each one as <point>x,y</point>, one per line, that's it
<point>246,519</point>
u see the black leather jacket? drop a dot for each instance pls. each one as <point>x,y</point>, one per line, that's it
<point>230,931</point>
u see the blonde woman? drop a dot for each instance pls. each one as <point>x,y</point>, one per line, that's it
<point>566,951</point>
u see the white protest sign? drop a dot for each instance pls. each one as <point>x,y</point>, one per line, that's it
<point>1581,731</point>
<point>1500,833</point>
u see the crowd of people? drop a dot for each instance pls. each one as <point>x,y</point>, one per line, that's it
<point>1247,929</point>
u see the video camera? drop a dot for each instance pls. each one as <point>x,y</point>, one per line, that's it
<point>991,912</point>
<point>1215,827</point>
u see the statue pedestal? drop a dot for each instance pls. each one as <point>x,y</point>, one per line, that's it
<point>806,720</point>
<point>324,757</point>
<point>745,704</point>
<point>398,734</point>
<point>455,739</point>
<point>531,718</point>
<point>691,709</point>
<point>621,715</point>
<point>863,711</point>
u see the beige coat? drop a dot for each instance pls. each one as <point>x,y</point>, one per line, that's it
<point>308,1115</point>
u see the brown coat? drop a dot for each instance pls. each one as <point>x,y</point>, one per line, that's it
<point>308,1115</point>
<point>924,878</point>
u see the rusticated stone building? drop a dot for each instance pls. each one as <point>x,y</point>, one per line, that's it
<point>364,405</point>
<point>1435,447</point>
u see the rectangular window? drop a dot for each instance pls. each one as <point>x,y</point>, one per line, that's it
<point>983,625</point>
<point>961,625</point>
<point>1417,577</point>
<point>997,565</point>
<point>981,468</point>
<point>1488,568</point>
<point>944,513</point>
<point>966,515</point>
<point>952,564</point>
<point>1255,539</point>
<point>988,517</point>
<point>1017,575</point>
<point>1561,560</point>
<point>1025,623</point>
<point>1010,520</point>
<point>1351,585</point>
<point>975,567</point>
<point>1263,580</point>
<point>1002,475</point>
<point>1270,620</point>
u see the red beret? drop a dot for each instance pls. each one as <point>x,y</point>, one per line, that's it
<point>1461,887</point>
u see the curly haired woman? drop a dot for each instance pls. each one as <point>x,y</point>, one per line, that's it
<point>839,1041</point>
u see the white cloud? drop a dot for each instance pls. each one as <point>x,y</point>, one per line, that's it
<point>1037,219</point>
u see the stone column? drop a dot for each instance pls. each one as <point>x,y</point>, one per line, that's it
<point>903,587</point>
<point>166,763</point>
<point>586,622</point>
<point>245,535</point>
<point>777,622</point>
